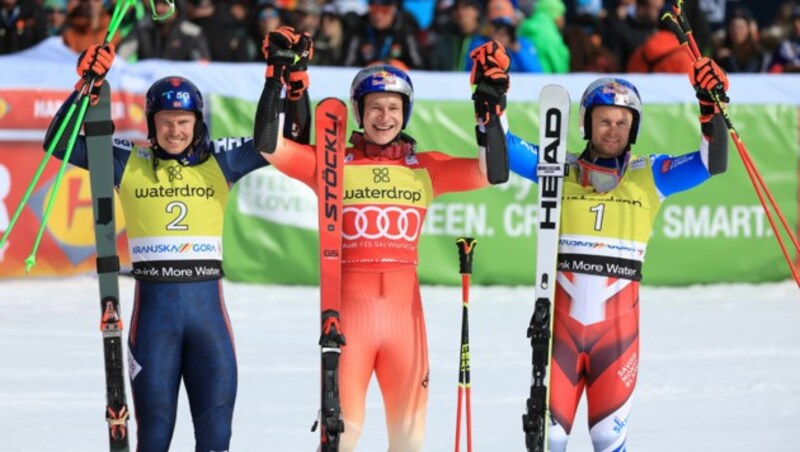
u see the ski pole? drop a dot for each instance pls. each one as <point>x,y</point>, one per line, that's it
<point>680,27</point>
<point>81,103</point>
<point>466,247</point>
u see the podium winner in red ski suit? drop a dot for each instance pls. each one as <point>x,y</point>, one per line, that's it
<point>610,200</point>
<point>388,187</point>
<point>173,194</point>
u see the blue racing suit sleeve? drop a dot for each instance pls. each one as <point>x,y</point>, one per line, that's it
<point>237,157</point>
<point>676,174</point>
<point>523,157</point>
<point>79,156</point>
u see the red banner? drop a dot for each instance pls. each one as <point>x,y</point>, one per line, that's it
<point>26,111</point>
<point>67,245</point>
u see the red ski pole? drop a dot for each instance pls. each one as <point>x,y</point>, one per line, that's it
<point>679,25</point>
<point>466,246</point>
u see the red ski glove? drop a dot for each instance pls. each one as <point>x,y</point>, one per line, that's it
<point>95,62</point>
<point>708,78</point>
<point>489,61</point>
<point>490,64</point>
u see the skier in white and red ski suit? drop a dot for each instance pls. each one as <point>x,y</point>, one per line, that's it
<point>610,202</point>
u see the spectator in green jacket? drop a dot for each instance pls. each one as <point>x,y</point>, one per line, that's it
<point>543,28</point>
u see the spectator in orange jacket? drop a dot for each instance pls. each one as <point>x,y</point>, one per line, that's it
<point>87,25</point>
<point>661,52</point>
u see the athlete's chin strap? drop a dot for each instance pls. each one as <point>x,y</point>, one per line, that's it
<point>398,148</point>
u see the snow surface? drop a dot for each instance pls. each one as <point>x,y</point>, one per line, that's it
<point>719,371</point>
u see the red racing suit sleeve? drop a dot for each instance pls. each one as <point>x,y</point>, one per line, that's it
<point>452,174</point>
<point>295,160</point>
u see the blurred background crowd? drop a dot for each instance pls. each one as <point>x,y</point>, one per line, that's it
<point>543,36</point>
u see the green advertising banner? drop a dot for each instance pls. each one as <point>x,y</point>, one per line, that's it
<point>716,232</point>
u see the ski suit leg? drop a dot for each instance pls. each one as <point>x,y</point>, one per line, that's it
<point>402,365</point>
<point>360,303</point>
<point>209,364</point>
<point>567,379</point>
<point>613,369</point>
<point>381,316</point>
<point>154,344</point>
<point>181,330</point>
<point>595,345</point>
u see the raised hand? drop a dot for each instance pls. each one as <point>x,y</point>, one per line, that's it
<point>277,50</point>
<point>94,62</point>
<point>490,61</point>
<point>709,79</point>
<point>298,77</point>
<point>490,79</point>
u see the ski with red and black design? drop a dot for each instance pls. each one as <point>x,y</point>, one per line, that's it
<point>554,105</point>
<point>330,126</point>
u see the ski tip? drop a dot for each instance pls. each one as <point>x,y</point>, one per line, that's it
<point>553,90</point>
<point>332,99</point>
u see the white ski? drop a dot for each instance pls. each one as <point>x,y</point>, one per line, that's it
<point>554,105</point>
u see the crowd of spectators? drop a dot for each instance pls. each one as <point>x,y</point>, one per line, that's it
<point>540,35</point>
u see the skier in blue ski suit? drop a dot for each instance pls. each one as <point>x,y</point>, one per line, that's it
<point>609,203</point>
<point>173,194</point>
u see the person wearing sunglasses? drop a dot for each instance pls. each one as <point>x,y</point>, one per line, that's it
<point>610,202</point>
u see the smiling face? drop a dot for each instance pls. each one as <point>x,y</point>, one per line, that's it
<point>174,130</point>
<point>383,117</point>
<point>611,128</point>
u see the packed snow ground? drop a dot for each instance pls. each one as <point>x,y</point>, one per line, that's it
<point>719,371</point>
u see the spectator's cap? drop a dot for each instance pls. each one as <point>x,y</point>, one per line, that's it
<point>553,8</point>
<point>265,9</point>
<point>54,5</point>
<point>502,11</point>
<point>384,2</point>
<point>310,7</point>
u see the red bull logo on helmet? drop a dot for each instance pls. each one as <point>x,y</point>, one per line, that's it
<point>383,78</point>
<point>615,88</point>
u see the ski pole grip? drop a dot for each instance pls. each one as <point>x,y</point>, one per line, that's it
<point>672,23</point>
<point>466,248</point>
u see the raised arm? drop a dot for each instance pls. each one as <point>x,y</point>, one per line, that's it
<point>287,54</point>
<point>710,80</point>
<point>490,83</point>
